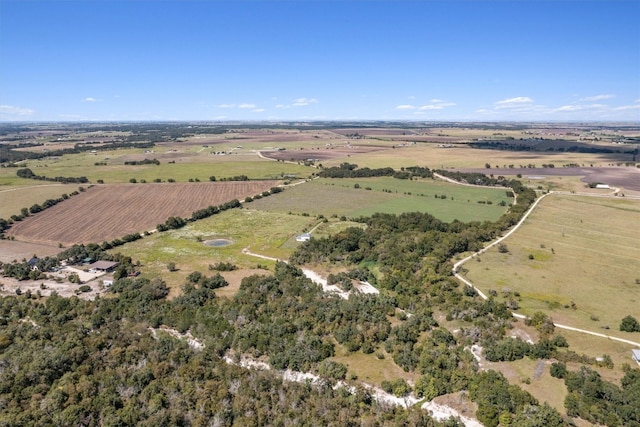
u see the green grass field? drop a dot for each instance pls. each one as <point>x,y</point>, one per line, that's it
<point>575,258</point>
<point>340,197</point>
<point>262,232</point>
<point>190,163</point>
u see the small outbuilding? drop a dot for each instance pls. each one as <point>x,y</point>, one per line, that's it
<point>304,237</point>
<point>635,355</point>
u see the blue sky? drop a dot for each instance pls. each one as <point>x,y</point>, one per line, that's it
<point>568,60</point>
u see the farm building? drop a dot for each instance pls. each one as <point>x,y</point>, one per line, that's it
<point>303,237</point>
<point>104,265</point>
<point>635,355</point>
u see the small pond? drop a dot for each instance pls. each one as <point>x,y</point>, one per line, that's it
<point>218,242</point>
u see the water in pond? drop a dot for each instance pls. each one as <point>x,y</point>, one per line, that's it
<point>218,242</point>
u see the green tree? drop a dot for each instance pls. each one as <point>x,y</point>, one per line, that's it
<point>630,324</point>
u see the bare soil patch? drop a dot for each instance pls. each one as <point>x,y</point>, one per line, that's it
<point>107,212</point>
<point>11,250</point>
<point>234,278</point>
<point>323,153</point>
<point>9,286</point>
<point>623,177</point>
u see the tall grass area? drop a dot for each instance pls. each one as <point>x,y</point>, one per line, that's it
<point>576,259</point>
<point>364,197</point>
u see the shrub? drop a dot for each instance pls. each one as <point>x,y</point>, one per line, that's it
<point>630,324</point>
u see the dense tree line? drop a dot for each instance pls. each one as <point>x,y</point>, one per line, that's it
<point>142,162</point>
<point>349,170</point>
<point>28,174</point>
<point>548,145</point>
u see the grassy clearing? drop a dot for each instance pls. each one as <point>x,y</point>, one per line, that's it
<point>369,368</point>
<point>340,197</point>
<point>544,387</point>
<point>575,258</point>
<point>15,197</point>
<point>594,347</point>
<point>262,232</point>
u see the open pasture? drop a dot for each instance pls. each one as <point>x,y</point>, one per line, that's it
<point>181,165</point>
<point>340,197</point>
<point>576,258</point>
<point>106,212</point>
<point>13,197</point>
<point>264,233</point>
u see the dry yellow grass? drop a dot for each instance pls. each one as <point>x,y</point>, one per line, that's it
<point>576,258</point>
<point>15,197</point>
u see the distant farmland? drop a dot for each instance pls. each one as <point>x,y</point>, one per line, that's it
<point>107,212</point>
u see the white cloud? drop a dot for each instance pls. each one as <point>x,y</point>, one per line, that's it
<point>258,110</point>
<point>581,107</point>
<point>90,99</point>
<point>597,98</point>
<point>227,106</point>
<point>298,102</point>
<point>405,107</point>
<point>8,111</point>
<point>437,104</point>
<point>247,106</point>
<point>304,101</point>
<point>627,107</point>
<point>513,102</point>
<point>568,108</point>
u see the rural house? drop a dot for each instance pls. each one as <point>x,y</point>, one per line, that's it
<point>105,266</point>
<point>635,355</point>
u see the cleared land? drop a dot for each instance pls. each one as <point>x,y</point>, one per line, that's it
<point>265,233</point>
<point>14,198</point>
<point>575,258</point>
<point>340,197</point>
<point>106,212</point>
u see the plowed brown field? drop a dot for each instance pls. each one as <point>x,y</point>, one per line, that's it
<point>106,212</point>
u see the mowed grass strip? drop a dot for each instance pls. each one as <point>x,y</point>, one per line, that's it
<point>261,232</point>
<point>106,212</point>
<point>575,258</point>
<point>388,195</point>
